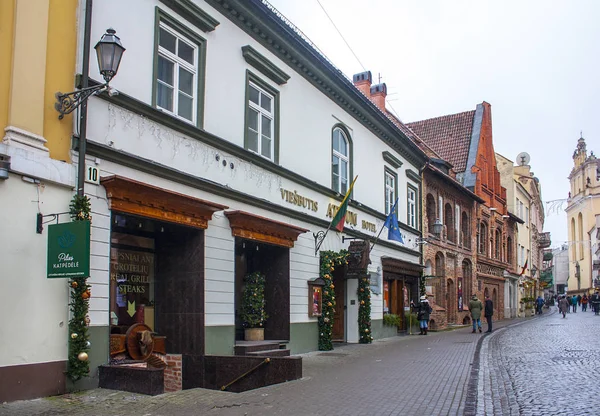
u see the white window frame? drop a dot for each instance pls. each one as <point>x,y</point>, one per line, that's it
<point>342,159</point>
<point>390,191</point>
<point>179,62</point>
<point>263,113</point>
<point>411,207</point>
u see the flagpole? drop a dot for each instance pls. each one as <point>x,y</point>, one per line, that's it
<point>383,226</point>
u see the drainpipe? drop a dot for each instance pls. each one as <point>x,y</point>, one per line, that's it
<point>85,69</point>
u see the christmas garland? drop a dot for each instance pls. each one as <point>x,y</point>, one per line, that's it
<point>364,309</point>
<point>79,343</point>
<point>329,261</point>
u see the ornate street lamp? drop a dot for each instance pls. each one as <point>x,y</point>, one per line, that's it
<point>437,227</point>
<point>109,51</point>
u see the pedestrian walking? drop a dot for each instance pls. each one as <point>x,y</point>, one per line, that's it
<point>579,300</point>
<point>595,301</point>
<point>574,303</point>
<point>489,312</point>
<point>539,303</point>
<point>584,303</point>
<point>563,306</point>
<point>423,310</point>
<point>475,307</point>
<point>569,303</point>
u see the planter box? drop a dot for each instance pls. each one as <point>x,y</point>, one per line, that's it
<point>254,334</point>
<point>132,379</point>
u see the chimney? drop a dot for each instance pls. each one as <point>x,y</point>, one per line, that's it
<point>362,81</point>
<point>378,94</point>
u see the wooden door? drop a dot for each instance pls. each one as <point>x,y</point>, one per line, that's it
<point>340,307</point>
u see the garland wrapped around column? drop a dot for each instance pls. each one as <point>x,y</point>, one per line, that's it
<point>329,261</point>
<point>364,309</point>
<point>80,294</point>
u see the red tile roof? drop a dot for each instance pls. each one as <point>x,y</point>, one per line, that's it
<point>449,136</point>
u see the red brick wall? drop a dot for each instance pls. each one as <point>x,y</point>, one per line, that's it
<point>172,372</point>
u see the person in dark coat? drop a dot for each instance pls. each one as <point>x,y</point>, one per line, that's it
<point>423,310</point>
<point>489,312</point>
<point>563,306</point>
<point>475,307</point>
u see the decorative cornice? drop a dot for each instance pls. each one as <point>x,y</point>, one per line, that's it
<point>413,175</point>
<point>194,14</point>
<point>148,166</point>
<point>273,33</point>
<point>254,227</point>
<point>391,159</point>
<point>260,62</point>
<point>131,104</point>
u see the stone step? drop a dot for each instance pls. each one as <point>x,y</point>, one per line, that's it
<point>270,353</point>
<point>245,347</point>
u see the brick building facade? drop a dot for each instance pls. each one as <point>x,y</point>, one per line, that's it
<point>465,141</point>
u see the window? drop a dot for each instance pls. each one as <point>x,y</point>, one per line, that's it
<point>482,238</point>
<point>526,216</point>
<point>449,222</point>
<point>431,212</point>
<point>262,118</point>
<point>260,121</point>
<point>465,232</point>
<point>390,190</point>
<point>498,244</point>
<point>411,207</point>
<point>178,70</point>
<point>340,161</point>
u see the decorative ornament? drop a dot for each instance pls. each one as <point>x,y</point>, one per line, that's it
<point>82,356</point>
<point>87,320</point>
<point>88,344</point>
<point>329,261</point>
<point>74,335</point>
<point>85,295</point>
<point>74,285</point>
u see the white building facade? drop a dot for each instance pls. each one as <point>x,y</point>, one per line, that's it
<point>228,149</point>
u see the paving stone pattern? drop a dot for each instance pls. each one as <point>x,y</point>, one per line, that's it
<point>406,375</point>
<point>547,366</point>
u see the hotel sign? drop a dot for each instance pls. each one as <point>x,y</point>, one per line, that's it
<point>69,250</point>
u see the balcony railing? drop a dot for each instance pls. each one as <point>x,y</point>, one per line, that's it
<point>544,240</point>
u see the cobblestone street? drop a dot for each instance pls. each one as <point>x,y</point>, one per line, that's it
<point>526,367</point>
<point>548,366</point>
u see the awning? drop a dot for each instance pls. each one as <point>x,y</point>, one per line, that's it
<point>254,227</point>
<point>397,269</point>
<point>138,198</point>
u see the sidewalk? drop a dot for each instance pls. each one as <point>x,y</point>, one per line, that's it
<point>412,375</point>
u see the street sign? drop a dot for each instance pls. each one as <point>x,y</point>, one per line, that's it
<point>69,250</point>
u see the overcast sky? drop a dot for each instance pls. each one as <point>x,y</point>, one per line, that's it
<point>537,62</point>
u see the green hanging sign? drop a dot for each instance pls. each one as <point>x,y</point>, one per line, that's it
<point>69,250</point>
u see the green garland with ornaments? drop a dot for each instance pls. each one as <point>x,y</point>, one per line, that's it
<point>364,308</point>
<point>329,261</point>
<point>79,344</point>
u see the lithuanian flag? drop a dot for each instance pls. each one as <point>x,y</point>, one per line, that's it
<point>340,216</point>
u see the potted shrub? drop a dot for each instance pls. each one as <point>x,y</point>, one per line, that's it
<point>253,307</point>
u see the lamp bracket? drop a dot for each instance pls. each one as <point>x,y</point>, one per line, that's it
<point>319,237</point>
<point>66,103</point>
<point>39,226</point>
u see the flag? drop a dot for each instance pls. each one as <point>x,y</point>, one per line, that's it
<point>524,267</point>
<point>340,216</point>
<point>391,222</point>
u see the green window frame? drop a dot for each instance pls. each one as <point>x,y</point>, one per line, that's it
<point>339,182</point>
<point>412,206</point>
<point>390,189</point>
<point>179,70</point>
<point>261,124</point>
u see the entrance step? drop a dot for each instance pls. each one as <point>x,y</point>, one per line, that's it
<point>270,353</point>
<point>247,347</point>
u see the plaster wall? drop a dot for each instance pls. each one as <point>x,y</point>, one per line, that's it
<point>35,311</point>
<point>307,115</point>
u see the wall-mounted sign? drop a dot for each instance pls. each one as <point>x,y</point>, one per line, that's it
<point>369,226</point>
<point>69,250</point>
<point>293,197</point>
<point>351,217</point>
<point>92,174</point>
<point>315,296</point>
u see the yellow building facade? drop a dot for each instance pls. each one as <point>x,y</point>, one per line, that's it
<point>37,59</point>
<point>582,209</point>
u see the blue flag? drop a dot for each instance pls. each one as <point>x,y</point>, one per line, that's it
<point>391,222</point>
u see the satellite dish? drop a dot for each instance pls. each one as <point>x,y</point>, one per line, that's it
<point>523,158</point>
